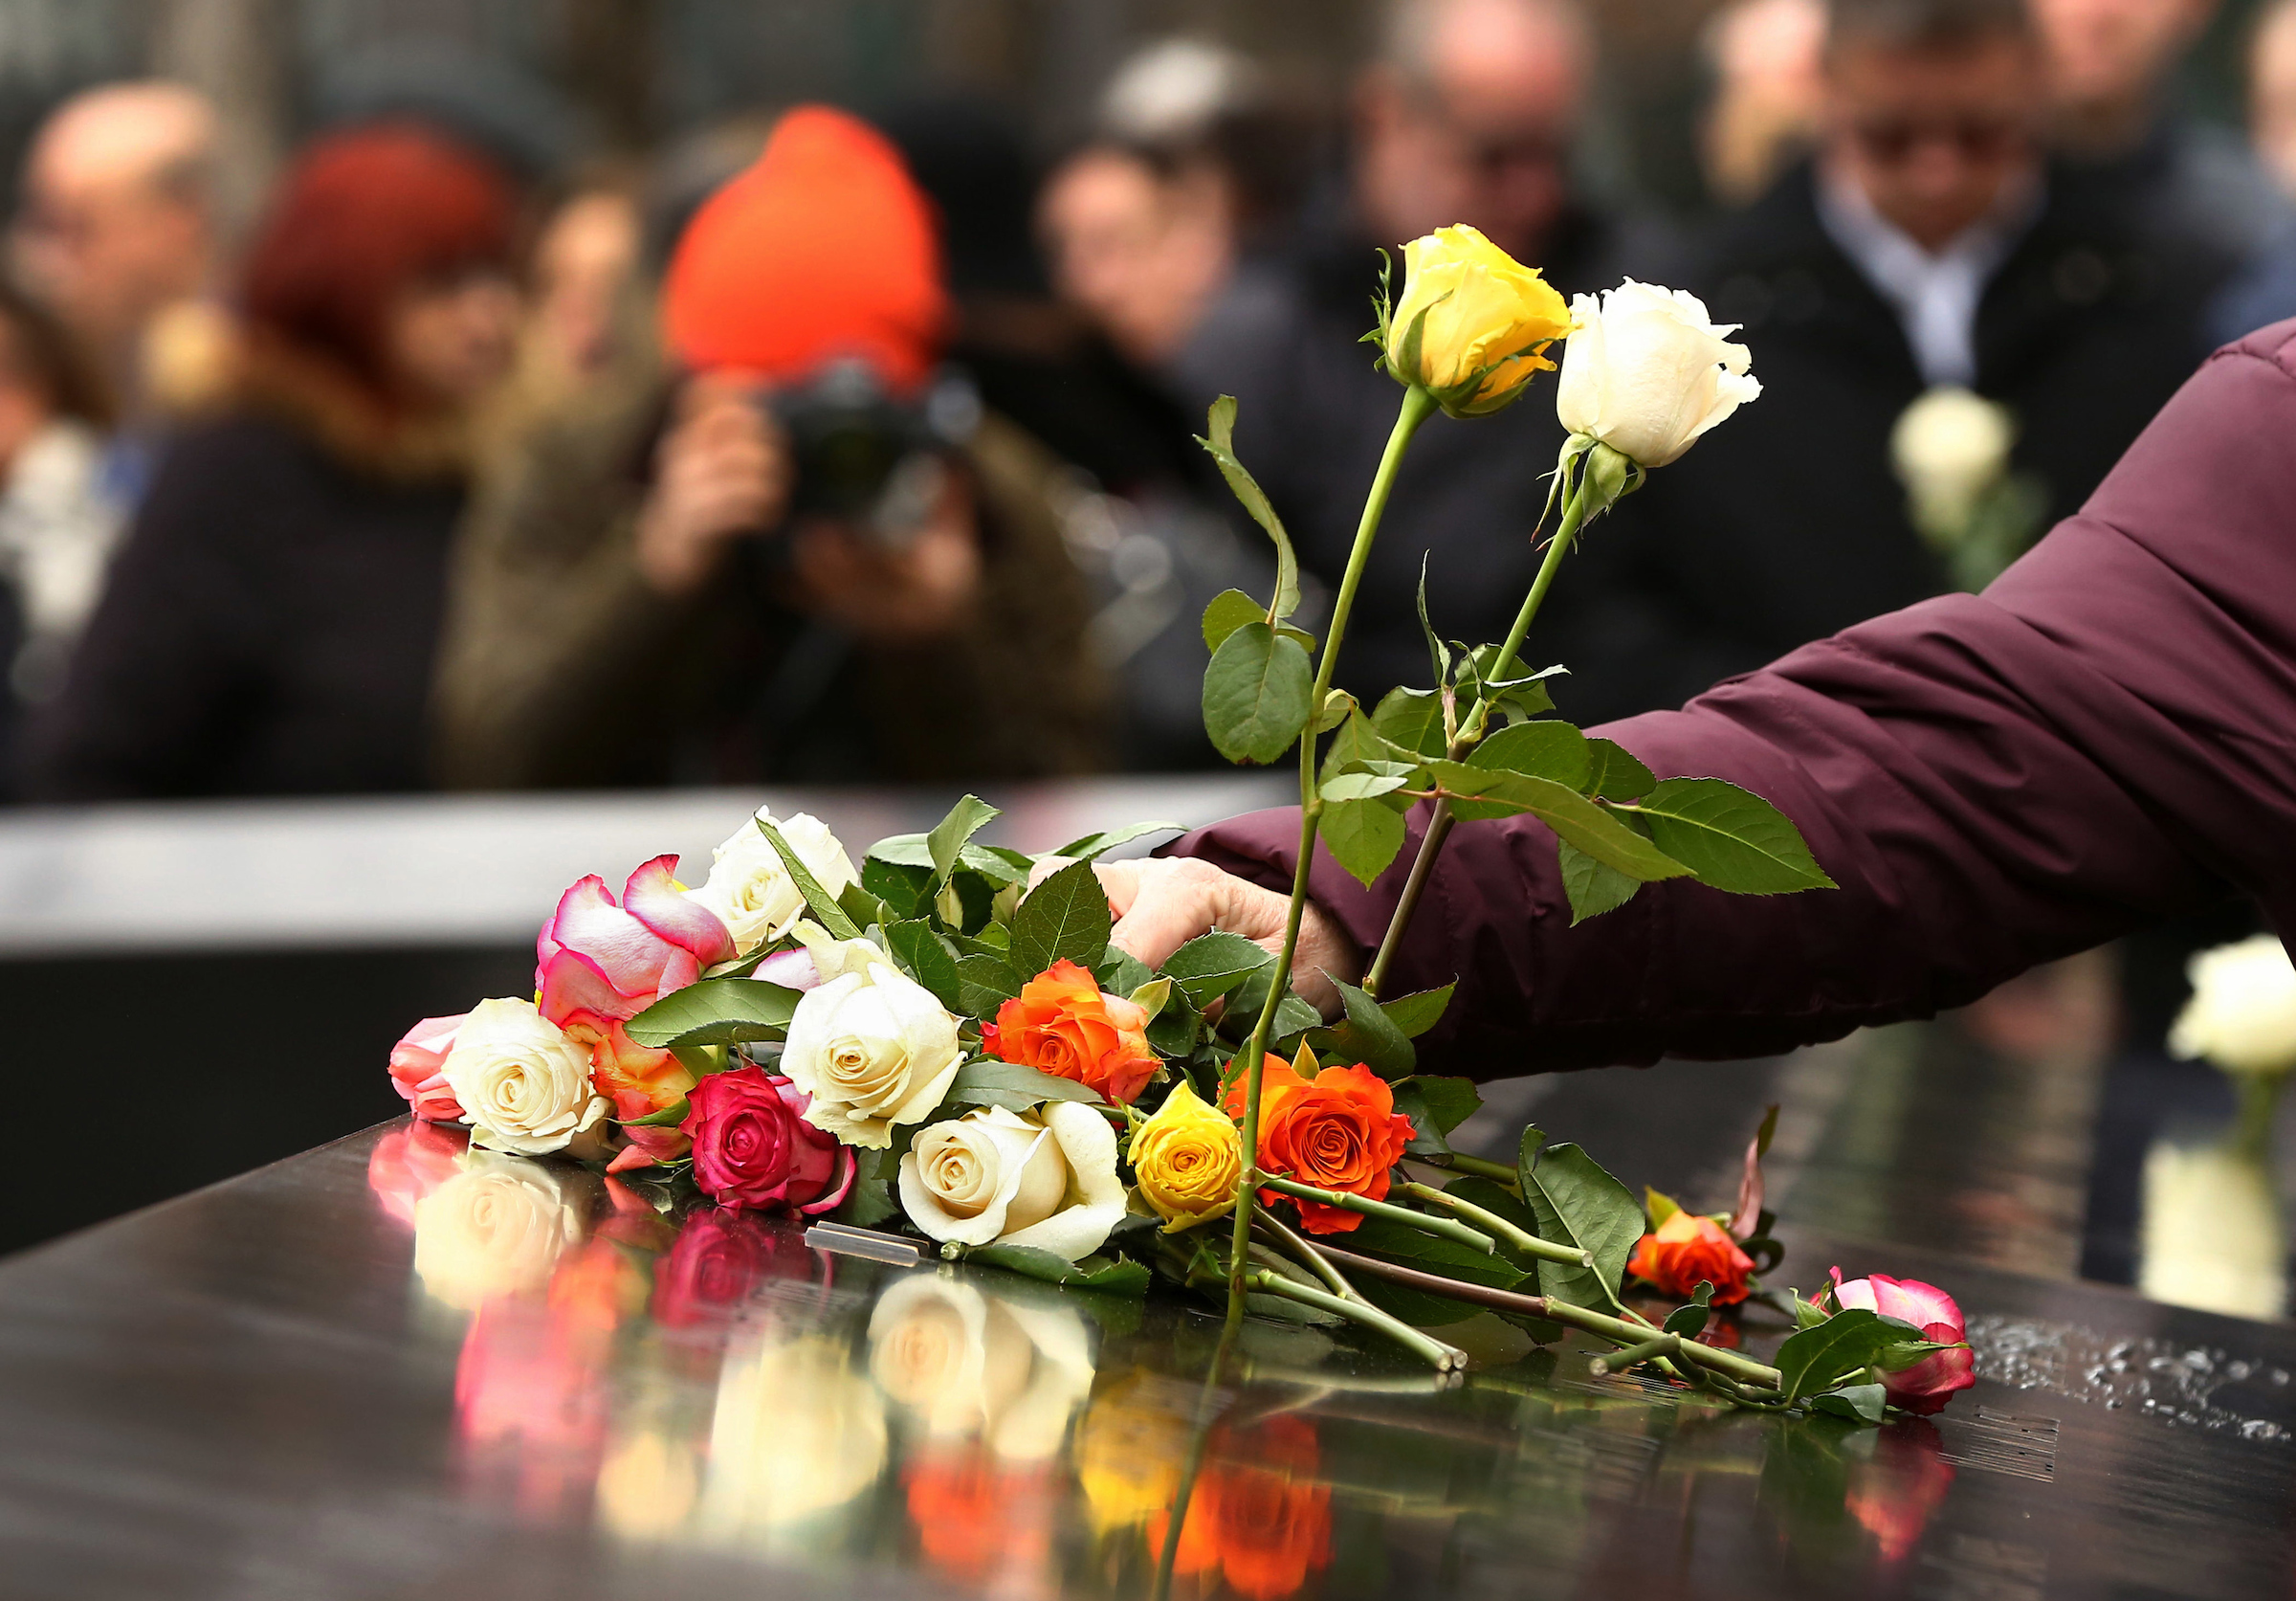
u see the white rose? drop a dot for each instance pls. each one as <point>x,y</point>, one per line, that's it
<point>966,1362</point>
<point>1645,372</point>
<point>795,1433</point>
<point>1047,1180</point>
<point>873,1047</point>
<point>2242,1013</point>
<point>1949,448</point>
<point>497,1228</point>
<point>749,888</point>
<point>523,1085</point>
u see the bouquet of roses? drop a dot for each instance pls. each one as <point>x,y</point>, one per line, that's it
<point>944,1041</point>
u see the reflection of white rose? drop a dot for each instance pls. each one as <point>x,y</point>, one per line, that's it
<point>873,1048</point>
<point>2212,1232</point>
<point>523,1085</point>
<point>749,887</point>
<point>2242,1013</point>
<point>497,1228</point>
<point>795,1433</point>
<point>1949,448</point>
<point>1047,1179</point>
<point>965,1363</point>
<point>1646,373</point>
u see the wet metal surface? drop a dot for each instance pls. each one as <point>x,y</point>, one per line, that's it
<point>386,1369</point>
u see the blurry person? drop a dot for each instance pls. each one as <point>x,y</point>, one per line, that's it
<point>805,555</point>
<point>1928,246</point>
<point>587,305</point>
<point>2265,292</point>
<point>1767,91</point>
<point>273,616</point>
<point>1142,245</point>
<point>56,526</point>
<point>1468,116</point>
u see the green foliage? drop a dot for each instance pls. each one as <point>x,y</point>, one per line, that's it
<point>1229,611</point>
<point>921,952</point>
<point>1219,424</point>
<point>1066,916</point>
<point>1614,774</point>
<point>1415,1015</point>
<point>1256,694</point>
<point>716,1012</point>
<point>1097,844</point>
<point>985,982</point>
<point>1121,1277</point>
<point>1435,1107</point>
<point>1689,1320</point>
<point>1366,1034</point>
<point>1569,813</point>
<point>1543,749</point>
<point>989,1083</point>
<point>1121,972</point>
<point>1363,835</point>
<point>1396,1242</point>
<point>1411,719</point>
<point>1860,1403</point>
<point>870,1201</point>
<point>1361,786</point>
<point>1843,1346</point>
<point>1592,888</point>
<point>1359,745</point>
<point>825,910</point>
<point>944,845</point>
<point>1578,1203</point>
<point>1212,964</point>
<point>1732,839</point>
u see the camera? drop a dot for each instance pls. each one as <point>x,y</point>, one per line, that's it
<point>869,459</point>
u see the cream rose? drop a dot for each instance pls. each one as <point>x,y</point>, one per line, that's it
<point>497,1228</point>
<point>1646,373</point>
<point>1047,1180</point>
<point>523,1085</point>
<point>1949,448</point>
<point>749,888</point>
<point>797,1432</point>
<point>871,1045</point>
<point>965,1363</point>
<point>2242,1013</point>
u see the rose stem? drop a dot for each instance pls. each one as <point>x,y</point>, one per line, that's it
<point>1529,1244</point>
<point>1420,1220</point>
<point>1417,406</point>
<point>1307,1254</point>
<point>1744,1370</point>
<point>1617,1361</point>
<point>1442,819</point>
<point>1443,1358</point>
<point>1459,1161</point>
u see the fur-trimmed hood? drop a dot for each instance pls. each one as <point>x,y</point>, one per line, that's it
<point>321,400</point>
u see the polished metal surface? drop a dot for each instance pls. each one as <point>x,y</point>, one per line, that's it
<point>389,1368</point>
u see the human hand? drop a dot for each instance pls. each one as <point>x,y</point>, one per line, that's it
<point>912,595</point>
<point>721,471</point>
<point>1162,904</point>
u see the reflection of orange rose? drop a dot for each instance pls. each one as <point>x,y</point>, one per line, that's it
<point>1259,1515</point>
<point>1060,1023</point>
<point>1340,1132</point>
<point>1688,1249</point>
<point>1897,1492</point>
<point>974,1517</point>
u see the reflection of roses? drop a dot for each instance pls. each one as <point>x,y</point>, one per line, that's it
<point>1930,1383</point>
<point>720,1256</point>
<point>1047,1180</point>
<point>976,1515</point>
<point>796,1431</point>
<point>1259,1515</point>
<point>1063,1024</point>
<point>1340,1131</point>
<point>416,1064</point>
<point>1187,1158</point>
<point>969,1364</point>
<point>1129,1452</point>
<point>1690,1248</point>
<point>497,1228</point>
<point>1897,1492</point>
<point>409,1163</point>
<point>2243,1013</point>
<point>752,1146</point>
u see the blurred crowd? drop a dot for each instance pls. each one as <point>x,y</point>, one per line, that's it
<point>855,444</point>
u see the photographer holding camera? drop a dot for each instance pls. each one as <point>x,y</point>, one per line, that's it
<point>806,554</point>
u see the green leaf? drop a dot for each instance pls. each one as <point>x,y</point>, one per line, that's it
<point>1543,749</point>
<point>1592,888</point>
<point>1416,1014</point>
<point>1412,720</point>
<point>870,1201</point>
<point>996,864</point>
<point>1437,652</point>
<point>825,911</point>
<point>1293,1016</point>
<point>984,984</point>
<point>1435,1107</point>
<point>1395,1242</point>
<point>1256,695</point>
<point>857,901</point>
<point>1363,837</point>
<point>669,1117</point>
<point>1359,745</point>
<point>1897,1357</point>
<point>1519,694</point>
<point>1094,844</point>
<point>1848,1343</point>
<point>1615,775</point>
<point>1578,1203</point>
<point>1151,996</point>
<point>1121,972</point>
<point>1569,813</point>
<point>1860,1403</point>
<point>1367,1035</point>
<point>946,842</point>
<point>1730,838</point>
<point>1211,964</point>
<point>1066,916</point>
<point>1122,1277</point>
<point>1361,786</point>
<point>1658,1208</point>
<point>919,949</point>
<point>1689,1320</point>
<point>1220,425</point>
<point>989,1083</point>
<point>1229,611</point>
<point>716,1012</point>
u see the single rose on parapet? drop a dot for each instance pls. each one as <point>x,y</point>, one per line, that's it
<point>870,1044</point>
<point>614,960</point>
<point>2241,1016</point>
<point>1645,372</point>
<point>1337,1131</point>
<point>1187,1159</point>
<point>525,1086</point>
<point>1689,1249</point>
<point>416,1064</point>
<point>1063,1024</point>
<point>1045,1179</point>
<point>749,889</point>
<point>1473,325</point>
<point>1927,1385</point>
<point>753,1147</point>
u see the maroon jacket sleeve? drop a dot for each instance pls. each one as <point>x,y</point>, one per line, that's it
<point>2104,739</point>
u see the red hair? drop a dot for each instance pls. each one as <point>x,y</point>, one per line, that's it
<point>360,218</point>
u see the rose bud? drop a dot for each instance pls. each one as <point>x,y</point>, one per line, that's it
<point>1474,323</point>
<point>1689,1249</point>
<point>416,1064</point>
<point>1930,1383</point>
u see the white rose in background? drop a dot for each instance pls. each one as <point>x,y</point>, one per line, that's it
<point>2242,1013</point>
<point>1949,448</point>
<point>871,1045</point>
<point>969,1364</point>
<point>1047,1180</point>
<point>497,1228</point>
<point>523,1085</point>
<point>749,887</point>
<point>1646,373</point>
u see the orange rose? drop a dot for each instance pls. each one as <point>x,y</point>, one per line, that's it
<point>976,1515</point>
<point>1690,1247</point>
<point>1341,1131</point>
<point>1061,1023</point>
<point>1259,1516</point>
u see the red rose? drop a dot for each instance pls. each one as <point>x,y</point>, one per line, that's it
<point>1930,1383</point>
<point>752,1147</point>
<point>1690,1247</point>
<point>719,1258</point>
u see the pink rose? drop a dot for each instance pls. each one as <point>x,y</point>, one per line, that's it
<point>598,961</point>
<point>409,1163</point>
<point>752,1147</point>
<point>1930,1383</point>
<point>417,1069</point>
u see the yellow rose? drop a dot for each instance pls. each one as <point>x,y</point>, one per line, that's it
<point>1488,322</point>
<point>1188,1158</point>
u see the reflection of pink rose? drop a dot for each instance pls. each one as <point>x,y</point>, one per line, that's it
<point>416,1069</point>
<point>1896,1493</point>
<point>1930,1383</point>
<point>719,1258</point>
<point>753,1148</point>
<point>614,961</point>
<point>409,1163</point>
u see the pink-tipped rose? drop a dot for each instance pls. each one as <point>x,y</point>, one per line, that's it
<point>614,961</point>
<point>418,1069</point>
<point>1930,1383</point>
<point>753,1147</point>
<point>409,1163</point>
